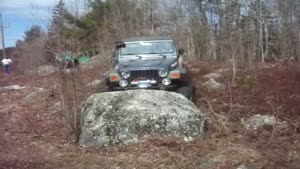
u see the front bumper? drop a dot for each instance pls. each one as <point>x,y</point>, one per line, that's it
<point>168,88</point>
<point>144,80</point>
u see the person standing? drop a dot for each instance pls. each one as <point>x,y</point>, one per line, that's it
<point>6,63</point>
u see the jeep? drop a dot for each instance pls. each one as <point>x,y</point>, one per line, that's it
<point>149,63</point>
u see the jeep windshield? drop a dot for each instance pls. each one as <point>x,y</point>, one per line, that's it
<point>148,47</point>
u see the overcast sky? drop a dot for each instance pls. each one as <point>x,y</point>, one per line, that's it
<point>19,15</point>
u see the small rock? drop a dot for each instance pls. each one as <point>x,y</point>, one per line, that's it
<point>257,121</point>
<point>46,70</point>
<point>294,158</point>
<point>13,87</point>
<point>214,76</point>
<point>212,84</point>
<point>195,70</point>
<point>36,93</point>
<point>223,70</point>
<point>43,70</point>
<point>56,107</point>
<point>243,166</point>
<point>94,84</point>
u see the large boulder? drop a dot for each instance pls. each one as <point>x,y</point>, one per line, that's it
<point>134,116</point>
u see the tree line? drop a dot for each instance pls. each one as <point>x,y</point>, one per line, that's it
<point>246,31</point>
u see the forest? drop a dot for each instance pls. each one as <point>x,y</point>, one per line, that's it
<point>241,31</point>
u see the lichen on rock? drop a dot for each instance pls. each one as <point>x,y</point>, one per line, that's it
<point>134,116</point>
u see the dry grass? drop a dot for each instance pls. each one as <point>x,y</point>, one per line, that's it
<point>228,144</point>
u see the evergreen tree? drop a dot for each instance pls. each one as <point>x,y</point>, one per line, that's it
<point>59,33</point>
<point>33,33</point>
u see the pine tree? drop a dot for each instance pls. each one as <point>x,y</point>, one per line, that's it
<point>58,15</point>
<point>58,32</point>
<point>33,33</point>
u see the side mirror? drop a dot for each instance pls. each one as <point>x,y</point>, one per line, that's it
<point>120,45</point>
<point>180,51</point>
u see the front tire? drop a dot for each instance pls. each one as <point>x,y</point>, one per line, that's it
<point>187,91</point>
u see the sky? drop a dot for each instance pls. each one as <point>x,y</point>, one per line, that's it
<point>19,15</point>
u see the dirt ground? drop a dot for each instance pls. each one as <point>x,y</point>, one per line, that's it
<point>33,137</point>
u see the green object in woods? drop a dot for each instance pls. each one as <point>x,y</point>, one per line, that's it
<point>82,59</point>
<point>67,57</point>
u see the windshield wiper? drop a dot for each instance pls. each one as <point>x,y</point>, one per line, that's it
<point>153,53</point>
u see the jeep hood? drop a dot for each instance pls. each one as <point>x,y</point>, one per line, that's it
<point>146,63</point>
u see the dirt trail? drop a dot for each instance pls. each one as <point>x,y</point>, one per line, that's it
<point>22,142</point>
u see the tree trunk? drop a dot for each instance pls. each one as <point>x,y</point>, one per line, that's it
<point>261,33</point>
<point>266,41</point>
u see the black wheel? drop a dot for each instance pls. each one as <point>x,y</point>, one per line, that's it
<point>107,87</point>
<point>187,91</point>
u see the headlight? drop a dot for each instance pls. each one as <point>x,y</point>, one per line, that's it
<point>163,73</point>
<point>166,82</point>
<point>123,83</point>
<point>125,74</point>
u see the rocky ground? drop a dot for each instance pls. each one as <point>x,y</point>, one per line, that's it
<point>254,124</point>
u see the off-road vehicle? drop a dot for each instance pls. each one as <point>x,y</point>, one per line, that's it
<point>149,63</point>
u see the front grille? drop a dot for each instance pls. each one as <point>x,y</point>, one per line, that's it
<point>144,73</point>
